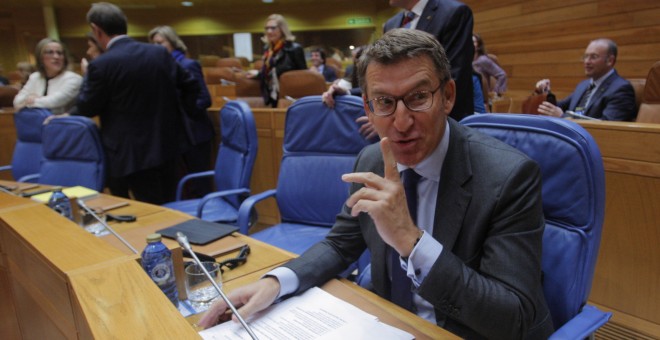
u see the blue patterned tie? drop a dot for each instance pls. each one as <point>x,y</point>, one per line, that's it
<point>401,293</point>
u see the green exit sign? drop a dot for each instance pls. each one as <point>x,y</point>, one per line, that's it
<point>359,21</point>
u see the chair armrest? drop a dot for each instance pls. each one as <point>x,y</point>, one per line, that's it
<point>583,324</point>
<point>186,178</point>
<point>31,178</point>
<point>208,197</point>
<point>5,167</point>
<point>246,207</point>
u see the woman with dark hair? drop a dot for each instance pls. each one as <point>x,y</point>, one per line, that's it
<point>198,125</point>
<point>282,55</point>
<point>483,64</point>
<point>94,50</point>
<point>53,86</point>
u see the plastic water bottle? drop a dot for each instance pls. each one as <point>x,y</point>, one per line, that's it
<point>157,262</point>
<point>60,202</point>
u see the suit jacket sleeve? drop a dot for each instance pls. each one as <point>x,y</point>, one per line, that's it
<point>621,104</point>
<point>93,98</point>
<point>189,89</point>
<point>203,98</point>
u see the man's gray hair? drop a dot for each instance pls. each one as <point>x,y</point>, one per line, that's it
<point>108,17</point>
<point>399,44</point>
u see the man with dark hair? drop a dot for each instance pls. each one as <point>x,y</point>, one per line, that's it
<point>139,92</point>
<point>451,22</point>
<point>457,239</point>
<point>605,95</point>
<point>318,65</point>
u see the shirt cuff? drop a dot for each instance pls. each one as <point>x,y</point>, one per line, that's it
<point>422,258</point>
<point>289,282</point>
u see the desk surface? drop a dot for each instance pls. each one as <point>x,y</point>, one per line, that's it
<point>263,257</point>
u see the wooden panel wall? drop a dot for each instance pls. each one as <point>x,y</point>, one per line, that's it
<point>545,39</point>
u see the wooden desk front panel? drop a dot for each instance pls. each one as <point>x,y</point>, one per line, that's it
<point>627,273</point>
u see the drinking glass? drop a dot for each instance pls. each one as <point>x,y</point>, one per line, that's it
<point>201,292</point>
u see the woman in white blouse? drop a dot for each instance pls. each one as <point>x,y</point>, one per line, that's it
<point>53,86</point>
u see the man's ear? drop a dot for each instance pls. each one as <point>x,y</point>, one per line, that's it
<point>449,94</point>
<point>367,112</point>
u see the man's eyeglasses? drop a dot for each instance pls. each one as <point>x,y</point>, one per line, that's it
<point>53,52</point>
<point>414,101</point>
<point>592,57</point>
<point>236,261</point>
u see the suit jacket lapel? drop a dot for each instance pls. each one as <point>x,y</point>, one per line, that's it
<point>427,16</point>
<point>600,91</point>
<point>453,198</point>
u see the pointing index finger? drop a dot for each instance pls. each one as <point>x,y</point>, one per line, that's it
<point>391,171</point>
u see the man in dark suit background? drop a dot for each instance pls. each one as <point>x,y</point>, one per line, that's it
<point>605,95</point>
<point>318,65</point>
<point>451,23</point>
<point>470,256</point>
<point>139,92</point>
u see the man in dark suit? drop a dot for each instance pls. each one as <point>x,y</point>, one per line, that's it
<point>318,65</point>
<point>605,95</point>
<point>471,253</point>
<point>451,23</point>
<point>140,94</point>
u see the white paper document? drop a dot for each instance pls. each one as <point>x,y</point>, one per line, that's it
<point>315,314</point>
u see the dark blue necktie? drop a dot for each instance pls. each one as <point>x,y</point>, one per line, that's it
<point>584,100</point>
<point>407,20</point>
<point>401,285</point>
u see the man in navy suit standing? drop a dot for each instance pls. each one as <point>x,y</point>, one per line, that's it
<point>451,23</point>
<point>605,95</point>
<point>140,94</point>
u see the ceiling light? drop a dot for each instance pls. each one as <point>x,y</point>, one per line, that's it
<point>187,3</point>
<point>267,1</point>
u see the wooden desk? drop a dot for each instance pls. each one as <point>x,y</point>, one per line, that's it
<point>57,280</point>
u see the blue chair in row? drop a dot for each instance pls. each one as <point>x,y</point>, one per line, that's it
<point>233,168</point>
<point>26,159</point>
<point>72,154</point>
<point>320,144</point>
<point>573,204</point>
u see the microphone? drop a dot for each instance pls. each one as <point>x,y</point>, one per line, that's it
<point>183,242</point>
<point>106,226</point>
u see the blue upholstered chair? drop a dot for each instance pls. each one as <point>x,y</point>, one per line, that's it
<point>233,168</point>
<point>573,205</point>
<point>26,159</point>
<point>320,144</point>
<point>72,154</point>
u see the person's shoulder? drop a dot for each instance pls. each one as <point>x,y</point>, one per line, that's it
<point>72,75</point>
<point>292,45</point>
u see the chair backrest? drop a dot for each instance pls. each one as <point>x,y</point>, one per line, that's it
<point>503,104</point>
<point>320,144</point>
<point>215,75</point>
<point>301,83</point>
<point>27,156</point>
<point>638,85</point>
<point>208,60</point>
<point>573,201</point>
<point>649,109</point>
<point>73,153</point>
<point>238,149</point>
<point>7,94</point>
<point>229,62</point>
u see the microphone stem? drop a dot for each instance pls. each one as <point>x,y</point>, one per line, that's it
<point>224,297</point>
<point>106,226</point>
